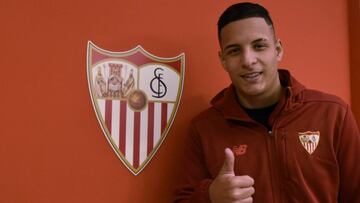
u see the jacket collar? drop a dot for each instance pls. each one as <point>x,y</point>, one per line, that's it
<point>226,100</point>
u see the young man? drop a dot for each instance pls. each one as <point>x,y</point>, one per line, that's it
<point>266,137</point>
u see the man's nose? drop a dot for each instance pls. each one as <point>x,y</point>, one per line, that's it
<point>249,58</point>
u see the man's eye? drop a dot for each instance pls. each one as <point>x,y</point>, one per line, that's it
<point>233,51</point>
<point>260,46</point>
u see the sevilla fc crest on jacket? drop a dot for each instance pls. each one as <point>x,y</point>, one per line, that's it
<point>135,96</point>
<point>309,140</point>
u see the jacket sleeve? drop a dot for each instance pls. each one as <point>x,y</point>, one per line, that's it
<point>196,179</point>
<point>349,160</point>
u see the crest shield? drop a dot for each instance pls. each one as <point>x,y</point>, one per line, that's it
<point>135,96</point>
<point>309,140</point>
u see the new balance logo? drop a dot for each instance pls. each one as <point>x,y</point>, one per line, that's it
<point>240,150</point>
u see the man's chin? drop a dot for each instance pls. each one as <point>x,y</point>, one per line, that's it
<point>253,92</point>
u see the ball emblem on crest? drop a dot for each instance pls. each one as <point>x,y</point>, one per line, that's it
<point>137,100</point>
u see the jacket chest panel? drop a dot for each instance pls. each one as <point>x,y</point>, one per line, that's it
<point>308,159</point>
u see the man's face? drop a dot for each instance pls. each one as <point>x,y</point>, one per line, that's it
<point>250,54</point>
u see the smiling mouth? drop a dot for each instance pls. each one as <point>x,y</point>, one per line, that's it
<point>251,77</point>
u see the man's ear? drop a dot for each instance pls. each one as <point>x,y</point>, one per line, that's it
<point>279,50</point>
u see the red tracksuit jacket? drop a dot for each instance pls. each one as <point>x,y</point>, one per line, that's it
<point>311,155</point>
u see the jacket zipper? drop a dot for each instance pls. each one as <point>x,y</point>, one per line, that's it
<point>275,167</point>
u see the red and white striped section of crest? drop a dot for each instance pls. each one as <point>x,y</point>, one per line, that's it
<point>310,147</point>
<point>137,141</point>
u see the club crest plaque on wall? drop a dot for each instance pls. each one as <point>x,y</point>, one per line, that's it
<point>135,96</point>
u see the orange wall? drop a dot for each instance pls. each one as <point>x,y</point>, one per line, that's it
<point>52,148</point>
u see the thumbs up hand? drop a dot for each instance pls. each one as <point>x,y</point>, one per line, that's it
<point>228,188</point>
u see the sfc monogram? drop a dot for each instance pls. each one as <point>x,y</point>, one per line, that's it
<point>135,97</point>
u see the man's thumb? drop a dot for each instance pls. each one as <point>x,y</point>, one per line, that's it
<point>228,165</point>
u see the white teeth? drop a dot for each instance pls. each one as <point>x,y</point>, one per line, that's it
<point>251,75</point>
